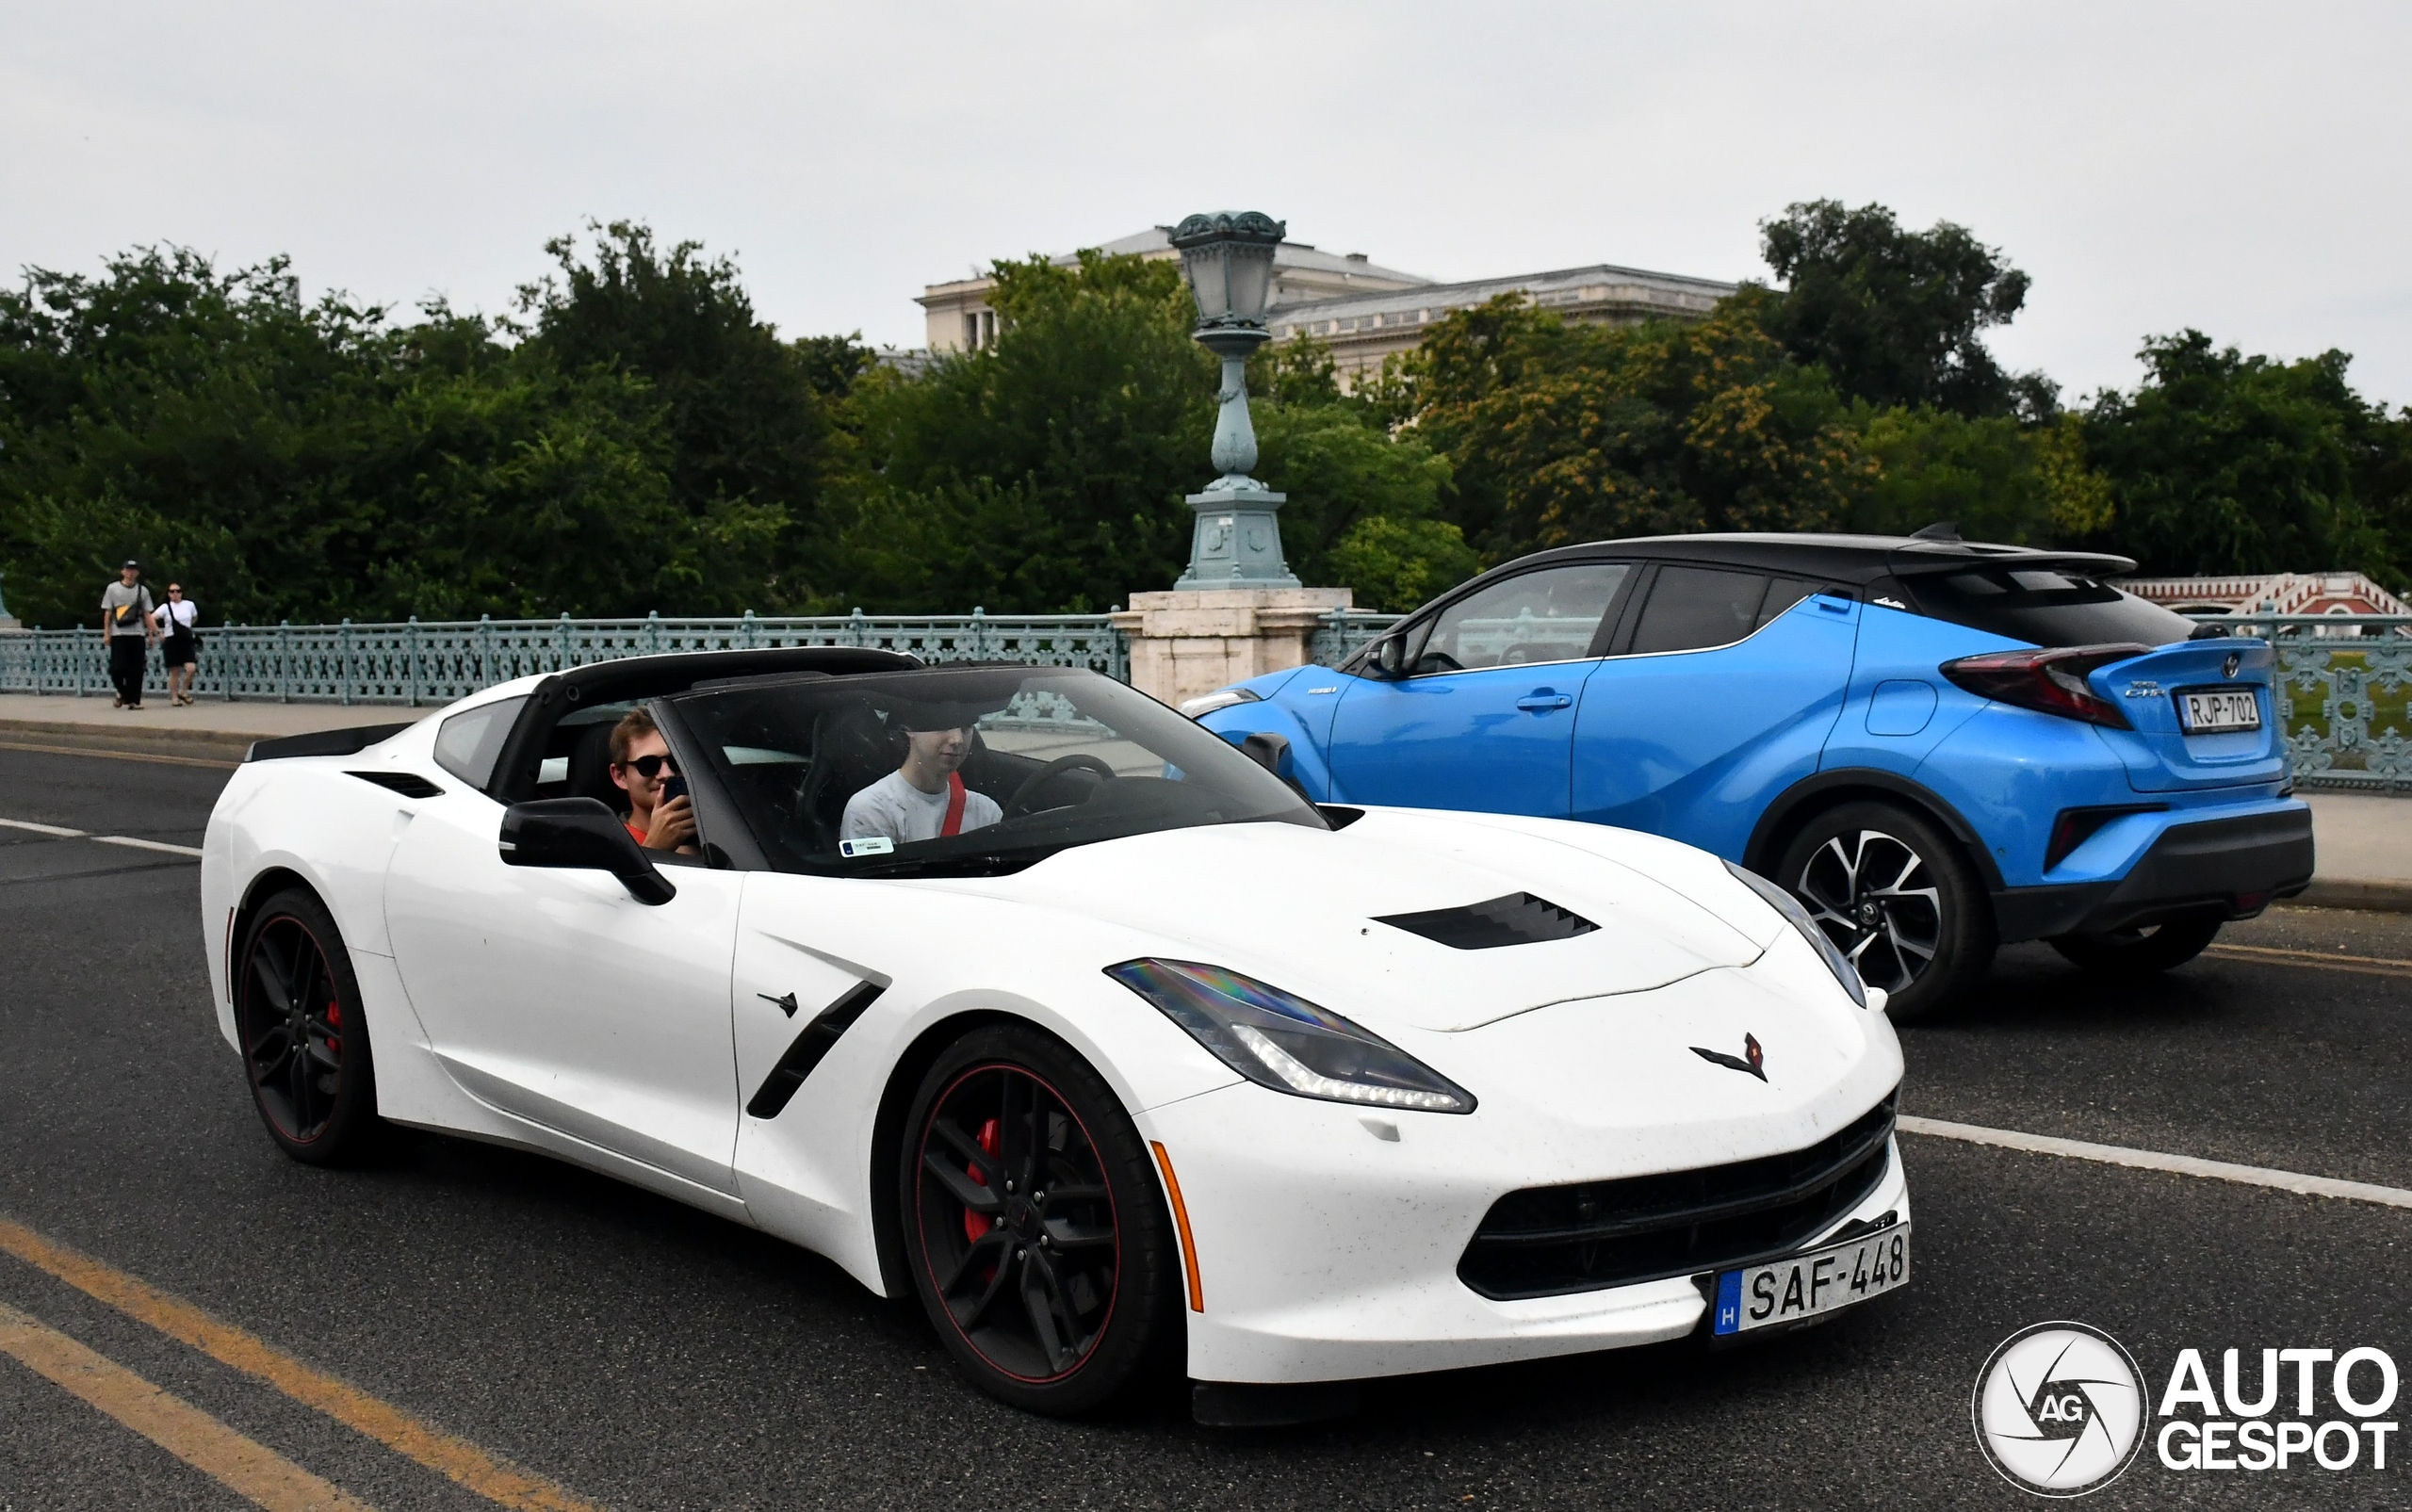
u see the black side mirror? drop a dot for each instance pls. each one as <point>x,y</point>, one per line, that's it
<point>582,834</point>
<point>1272,753</point>
<point>1390,656</point>
<point>1269,751</point>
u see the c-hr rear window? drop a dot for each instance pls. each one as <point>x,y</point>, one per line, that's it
<point>2046,607</point>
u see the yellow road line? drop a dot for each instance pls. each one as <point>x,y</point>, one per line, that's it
<point>490,1475</point>
<point>245,1465</point>
<point>117,755</point>
<point>2376,966</point>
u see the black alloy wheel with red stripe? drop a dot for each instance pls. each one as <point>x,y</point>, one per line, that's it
<point>1037,1235</point>
<point>303,1035</point>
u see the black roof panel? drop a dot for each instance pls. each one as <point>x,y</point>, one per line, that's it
<point>1851,558</point>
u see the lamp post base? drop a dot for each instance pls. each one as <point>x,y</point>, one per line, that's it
<point>1237,542</point>
<point>1189,642</point>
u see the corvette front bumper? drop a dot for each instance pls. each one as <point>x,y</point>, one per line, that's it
<point>1328,1237</point>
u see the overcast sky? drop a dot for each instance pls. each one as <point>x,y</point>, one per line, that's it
<point>2240,168</point>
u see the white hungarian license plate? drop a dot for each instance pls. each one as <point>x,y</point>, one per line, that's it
<point>1803,1286</point>
<point>2222,710</point>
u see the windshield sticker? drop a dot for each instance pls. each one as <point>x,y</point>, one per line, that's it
<point>868,845</point>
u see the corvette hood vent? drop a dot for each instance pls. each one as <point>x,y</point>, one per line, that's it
<point>1516,919</point>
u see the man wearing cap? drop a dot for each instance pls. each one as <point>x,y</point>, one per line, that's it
<point>125,622</point>
<point>924,799</point>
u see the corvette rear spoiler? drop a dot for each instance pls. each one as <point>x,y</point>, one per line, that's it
<point>324,742</point>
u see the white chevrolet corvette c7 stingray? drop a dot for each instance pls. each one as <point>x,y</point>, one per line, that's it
<point>1167,1070</point>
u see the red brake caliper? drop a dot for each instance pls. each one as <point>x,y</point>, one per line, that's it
<point>974,1225</point>
<point>334,1019</point>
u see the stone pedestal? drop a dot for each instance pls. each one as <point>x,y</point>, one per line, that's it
<point>1188,642</point>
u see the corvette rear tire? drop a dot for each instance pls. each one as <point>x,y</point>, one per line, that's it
<point>1897,896</point>
<point>1034,1228</point>
<point>2140,952</point>
<point>303,1035</point>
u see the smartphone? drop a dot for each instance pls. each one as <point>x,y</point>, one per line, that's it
<point>673,786</point>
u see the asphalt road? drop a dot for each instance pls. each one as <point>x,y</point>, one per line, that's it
<point>646,1356</point>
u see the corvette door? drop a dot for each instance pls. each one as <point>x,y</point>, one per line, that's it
<point>556,997</point>
<point>1486,718</point>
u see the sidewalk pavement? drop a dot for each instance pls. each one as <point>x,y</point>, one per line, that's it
<point>207,730</point>
<point>2365,839</point>
<point>2365,847</point>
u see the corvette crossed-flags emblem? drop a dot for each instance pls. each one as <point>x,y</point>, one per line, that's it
<point>1755,1065</point>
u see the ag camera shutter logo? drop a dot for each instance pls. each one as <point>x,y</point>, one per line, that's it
<point>2059,1410</point>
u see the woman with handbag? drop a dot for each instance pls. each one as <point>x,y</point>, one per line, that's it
<point>181,649</point>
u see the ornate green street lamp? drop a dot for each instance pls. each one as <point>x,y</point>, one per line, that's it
<point>1228,258</point>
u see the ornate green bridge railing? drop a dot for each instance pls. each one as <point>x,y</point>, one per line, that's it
<point>1345,629</point>
<point>2342,683</point>
<point>433,664</point>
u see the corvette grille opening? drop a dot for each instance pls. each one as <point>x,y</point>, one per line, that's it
<point>1546,1240</point>
<point>1518,918</point>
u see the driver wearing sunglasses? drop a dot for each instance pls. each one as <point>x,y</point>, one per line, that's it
<point>640,766</point>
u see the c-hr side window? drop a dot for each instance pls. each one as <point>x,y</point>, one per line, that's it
<point>1691,608</point>
<point>1550,615</point>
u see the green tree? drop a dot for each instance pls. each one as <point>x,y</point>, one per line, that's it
<point>1044,472</point>
<point>1363,501</point>
<point>1558,433</point>
<point>1896,317</point>
<point>1997,478</point>
<point>315,460</point>
<point>2220,462</point>
<point>751,438</point>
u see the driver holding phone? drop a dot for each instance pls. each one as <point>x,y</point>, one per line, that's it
<point>924,798</point>
<point>659,813</point>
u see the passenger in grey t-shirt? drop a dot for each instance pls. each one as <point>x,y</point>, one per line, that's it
<point>914,802</point>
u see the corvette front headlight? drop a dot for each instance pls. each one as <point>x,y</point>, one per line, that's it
<point>1286,1043</point>
<point>1797,917</point>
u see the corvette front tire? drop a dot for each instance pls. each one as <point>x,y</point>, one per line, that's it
<point>1035,1228</point>
<point>302,1033</point>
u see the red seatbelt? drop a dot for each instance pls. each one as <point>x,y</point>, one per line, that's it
<point>954,824</point>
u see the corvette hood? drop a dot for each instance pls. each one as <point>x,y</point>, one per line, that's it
<point>1303,909</point>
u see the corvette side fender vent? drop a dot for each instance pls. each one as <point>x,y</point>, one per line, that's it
<point>810,1047</point>
<point>409,784</point>
<point>1518,918</point>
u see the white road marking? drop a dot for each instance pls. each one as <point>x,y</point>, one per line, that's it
<point>135,842</point>
<point>2145,1159</point>
<point>42,829</point>
<point>146,845</point>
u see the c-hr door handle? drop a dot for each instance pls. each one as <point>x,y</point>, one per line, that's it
<point>1542,699</point>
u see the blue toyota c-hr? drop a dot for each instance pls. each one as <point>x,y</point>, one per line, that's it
<point>1936,745</point>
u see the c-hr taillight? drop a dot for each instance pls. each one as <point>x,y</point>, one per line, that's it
<point>2049,681</point>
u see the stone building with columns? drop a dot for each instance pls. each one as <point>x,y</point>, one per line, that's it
<point>1363,330</point>
<point>959,316</point>
<point>1364,311</point>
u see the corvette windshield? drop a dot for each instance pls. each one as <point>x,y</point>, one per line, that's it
<point>965,771</point>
